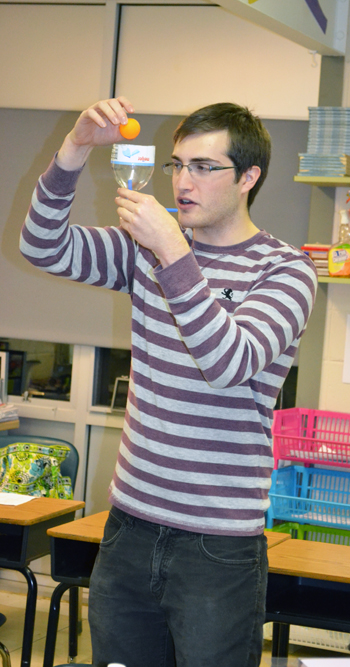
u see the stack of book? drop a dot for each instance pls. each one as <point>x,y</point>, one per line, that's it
<point>8,412</point>
<point>319,255</point>
<point>329,130</point>
<point>324,165</point>
<point>328,149</point>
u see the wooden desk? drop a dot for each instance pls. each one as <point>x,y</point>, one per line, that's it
<point>27,525</point>
<point>74,547</point>
<point>5,426</point>
<point>308,585</point>
<point>23,538</point>
<point>88,529</point>
<point>38,510</point>
<point>275,538</point>
<point>315,560</point>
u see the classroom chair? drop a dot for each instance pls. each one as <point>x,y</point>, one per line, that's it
<point>6,660</point>
<point>68,468</point>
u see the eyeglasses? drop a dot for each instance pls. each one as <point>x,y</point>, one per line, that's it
<point>196,169</point>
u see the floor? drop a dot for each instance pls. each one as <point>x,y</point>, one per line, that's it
<point>12,605</point>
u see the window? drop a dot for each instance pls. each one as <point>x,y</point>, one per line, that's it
<point>287,396</point>
<point>111,365</point>
<point>43,369</point>
<point>3,377</point>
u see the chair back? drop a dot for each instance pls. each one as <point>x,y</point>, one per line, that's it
<point>69,467</point>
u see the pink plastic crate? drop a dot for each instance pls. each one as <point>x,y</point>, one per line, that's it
<point>311,436</point>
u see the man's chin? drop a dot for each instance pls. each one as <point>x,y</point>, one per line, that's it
<point>188,221</point>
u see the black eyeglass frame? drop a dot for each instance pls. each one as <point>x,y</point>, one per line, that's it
<point>193,164</point>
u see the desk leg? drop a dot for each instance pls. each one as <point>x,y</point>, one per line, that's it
<point>52,625</point>
<point>75,625</point>
<point>280,640</point>
<point>29,618</point>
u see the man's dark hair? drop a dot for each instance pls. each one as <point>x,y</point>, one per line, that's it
<point>250,142</point>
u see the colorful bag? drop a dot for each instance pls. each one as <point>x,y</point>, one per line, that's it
<point>34,470</point>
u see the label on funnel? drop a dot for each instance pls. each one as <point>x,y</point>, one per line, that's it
<point>130,154</point>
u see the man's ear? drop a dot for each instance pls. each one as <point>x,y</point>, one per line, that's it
<point>249,178</point>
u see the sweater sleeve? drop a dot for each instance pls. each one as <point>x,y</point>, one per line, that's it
<point>229,349</point>
<point>103,257</point>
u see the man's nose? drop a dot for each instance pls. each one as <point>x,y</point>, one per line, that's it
<point>184,179</point>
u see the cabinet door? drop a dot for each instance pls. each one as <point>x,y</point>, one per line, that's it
<point>50,55</point>
<point>173,59</point>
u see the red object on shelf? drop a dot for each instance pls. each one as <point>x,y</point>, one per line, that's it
<point>316,250</point>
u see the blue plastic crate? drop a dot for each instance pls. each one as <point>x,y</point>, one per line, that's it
<point>310,495</point>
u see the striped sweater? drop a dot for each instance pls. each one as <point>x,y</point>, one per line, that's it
<point>213,337</point>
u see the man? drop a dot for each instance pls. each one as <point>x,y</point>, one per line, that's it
<point>218,312</point>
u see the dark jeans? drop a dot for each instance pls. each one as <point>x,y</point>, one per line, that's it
<point>161,597</point>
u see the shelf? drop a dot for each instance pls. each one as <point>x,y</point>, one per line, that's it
<point>330,279</point>
<point>325,181</point>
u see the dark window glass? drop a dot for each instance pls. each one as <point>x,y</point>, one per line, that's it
<point>111,364</point>
<point>42,369</point>
<point>287,396</point>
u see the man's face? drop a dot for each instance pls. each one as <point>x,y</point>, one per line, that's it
<point>206,203</point>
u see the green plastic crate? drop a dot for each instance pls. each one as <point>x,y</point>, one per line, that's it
<point>314,533</point>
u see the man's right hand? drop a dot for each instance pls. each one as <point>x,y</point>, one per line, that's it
<point>96,126</point>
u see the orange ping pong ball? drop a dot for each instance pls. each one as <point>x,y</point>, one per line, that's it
<point>131,130</point>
